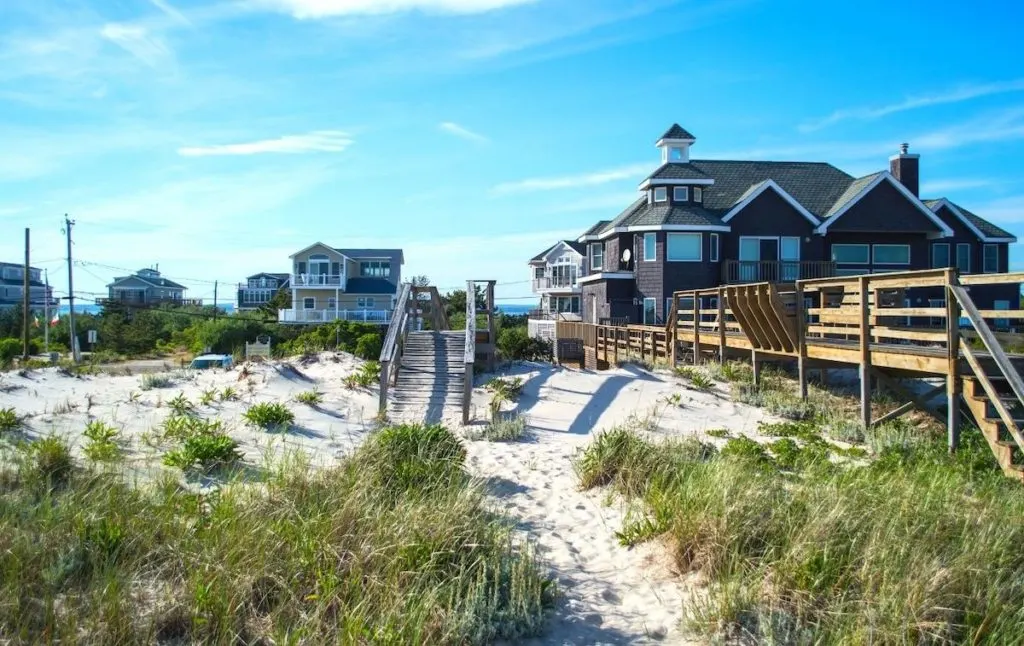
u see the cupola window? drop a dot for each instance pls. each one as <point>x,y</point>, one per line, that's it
<point>681,194</point>
<point>661,194</point>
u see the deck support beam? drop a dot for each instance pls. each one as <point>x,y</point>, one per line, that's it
<point>953,383</point>
<point>756,362</point>
<point>721,325</point>
<point>801,343</point>
<point>865,353</point>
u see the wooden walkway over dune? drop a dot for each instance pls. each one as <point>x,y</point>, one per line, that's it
<point>864,322</point>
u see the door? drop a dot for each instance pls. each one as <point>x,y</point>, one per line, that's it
<point>650,311</point>
<point>769,259</point>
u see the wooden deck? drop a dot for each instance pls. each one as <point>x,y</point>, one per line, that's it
<point>863,322</point>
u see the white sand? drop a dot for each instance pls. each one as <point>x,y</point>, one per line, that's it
<point>610,594</point>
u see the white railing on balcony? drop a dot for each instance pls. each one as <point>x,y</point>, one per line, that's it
<point>318,280</point>
<point>556,282</point>
<point>325,316</point>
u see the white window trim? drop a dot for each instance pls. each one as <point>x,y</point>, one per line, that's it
<point>664,227</point>
<point>956,258</point>
<point>655,301</point>
<point>664,194</point>
<point>685,192</point>
<point>936,245</point>
<point>770,184</point>
<point>867,247</point>
<point>778,239</point>
<point>984,258</point>
<point>875,261</point>
<point>715,248</point>
<point>886,176</point>
<point>591,256</point>
<point>365,302</point>
<point>654,248</point>
<point>698,194</point>
<point>700,247</point>
<point>647,183</point>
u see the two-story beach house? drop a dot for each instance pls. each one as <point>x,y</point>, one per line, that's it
<point>147,287</point>
<point>12,287</point>
<point>258,289</point>
<point>330,284</point>
<point>702,223</point>
<point>556,279</point>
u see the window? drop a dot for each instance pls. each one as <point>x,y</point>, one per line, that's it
<point>364,302</point>
<point>698,194</point>
<point>319,264</point>
<point>596,257</point>
<point>332,303</point>
<point>650,311</point>
<point>681,194</point>
<point>309,303</point>
<point>854,254</point>
<point>936,321</point>
<point>13,273</point>
<point>963,258</point>
<point>790,249</point>
<point>676,154</point>
<point>1001,324</point>
<point>891,254</point>
<point>375,269</point>
<point>683,247</point>
<point>714,247</point>
<point>661,194</point>
<point>940,255</point>
<point>991,258</point>
<point>650,246</point>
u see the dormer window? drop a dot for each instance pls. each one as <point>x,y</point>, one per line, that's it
<point>676,154</point>
<point>661,194</point>
<point>698,194</point>
<point>681,194</point>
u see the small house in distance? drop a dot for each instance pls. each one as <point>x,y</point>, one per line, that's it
<point>147,287</point>
<point>12,287</point>
<point>259,289</point>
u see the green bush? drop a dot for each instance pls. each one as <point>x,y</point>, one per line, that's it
<point>180,427</point>
<point>9,420</point>
<point>515,344</point>
<point>271,416</point>
<point>413,458</point>
<point>9,349</point>
<point>50,461</point>
<point>366,376</point>
<point>503,429</point>
<point>180,406</point>
<point>204,452</point>
<point>150,381</point>
<point>368,346</point>
<point>102,446</point>
<point>310,397</point>
<point>509,388</point>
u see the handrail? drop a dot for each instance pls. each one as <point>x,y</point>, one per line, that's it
<point>389,350</point>
<point>993,396</point>
<point>469,357</point>
<point>989,340</point>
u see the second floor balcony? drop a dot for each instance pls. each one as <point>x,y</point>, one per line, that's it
<point>318,280</point>
<point>775,271</point>
<point>558,277</point>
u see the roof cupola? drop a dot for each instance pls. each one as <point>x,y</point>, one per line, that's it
<point>675,145</point>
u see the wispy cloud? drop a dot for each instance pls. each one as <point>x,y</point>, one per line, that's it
<point>939,186</point>
<point>320,141</point>
<point>955,95</point>
<point>1004,210</point>
<point>312,9</point>
<point>596,178</point>
<point>465,133</point>
<point>139,42</point>
<point>171,12</point>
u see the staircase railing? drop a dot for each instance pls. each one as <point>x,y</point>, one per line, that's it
<point>470,354</point>
<point>394,342</point>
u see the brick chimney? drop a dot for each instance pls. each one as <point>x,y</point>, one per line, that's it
<point>906,168</point>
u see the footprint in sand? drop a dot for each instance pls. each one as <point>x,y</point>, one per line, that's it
<point>611,596</point>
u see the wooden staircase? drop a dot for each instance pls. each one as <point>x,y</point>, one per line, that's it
<point>430,378</point>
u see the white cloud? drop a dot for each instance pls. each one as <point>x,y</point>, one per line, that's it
<point>955,95</point>
<point>326,141</point>
<point>171,12</point>
<point>632,171</point>
<point>139,42</point>
<point>465,133</point>
<point>312,9</point>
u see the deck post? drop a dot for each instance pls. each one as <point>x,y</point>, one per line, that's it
<point>801,345</point>
<point>953,383</point>
<point>865,353</point>
<point>672,330</point>
<point>384,378</point>
<point>696,328</point>
<point>721,325</point>
<point>756,362</point>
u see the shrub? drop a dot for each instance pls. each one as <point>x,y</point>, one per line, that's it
<point>719,432</point>
<point>271,416</point>
<point>50,461</point>
<point>413,458</point>
<point>204,452</point>
<point>207,397</point>
<point>503,429</point>
<point>178,428</point>
<point>150,381</point>
<point>228,394</point>
<point>366,376</point>
<point>515,344</point>
<point>101,446</point>
<point>180,406</point>
<point>9,420</point>
<point>310,397</point>
<point>509,388</point>
<point>9,349</point>
<point>746,449</point>
<point>368,346</point>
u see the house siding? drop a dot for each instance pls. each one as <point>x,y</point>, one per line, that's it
<point>770,215</point>
<point>345,301</point>
<point>614,298</point>
<point>303,258</point>
<point>984,296</point>
<point>884,209</point>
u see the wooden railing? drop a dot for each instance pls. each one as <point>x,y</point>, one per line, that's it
<point>394,343</point>
<point>775,271</point>
<point>470,354</point>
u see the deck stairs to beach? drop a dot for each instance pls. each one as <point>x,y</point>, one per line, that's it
<point>430,377</point>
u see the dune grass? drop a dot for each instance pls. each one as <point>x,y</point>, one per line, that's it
<point>911,547</point>
<point>392,546</point>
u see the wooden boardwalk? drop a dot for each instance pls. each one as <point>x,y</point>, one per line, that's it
<point>863,322</point>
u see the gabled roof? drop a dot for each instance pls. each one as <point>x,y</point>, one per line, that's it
<point>155,281</point>
<point>370,286</point>
<point>356,254</point>
<point>815,185</point>
<point>270,274</point>
<point>863,186</point>
<point>754,191</point>
<point>677,132</point>
<point>572,244</point>
<point>591,233</point>
<point>315,244</point>
<point>669,217</point>
<point>678,171</point>
<point>985,230</point>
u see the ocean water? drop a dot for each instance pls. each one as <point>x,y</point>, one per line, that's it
<point>516,309</point>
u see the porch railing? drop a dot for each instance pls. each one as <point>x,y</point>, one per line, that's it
<point>549,315</point>
<point>326,316</point>
<point>775,271</point>
<point>556,282</point>
<point>318,280</point>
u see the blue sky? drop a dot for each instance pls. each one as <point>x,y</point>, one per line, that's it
<point>216,137</point>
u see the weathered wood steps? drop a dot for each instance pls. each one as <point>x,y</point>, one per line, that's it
<point>431,377</point>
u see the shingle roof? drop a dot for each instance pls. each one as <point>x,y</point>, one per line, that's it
<point>576,246</point>
<point>815,185</point>
<point>659,214</point>
<point>677,132</point>
<point>678,171</point>
<point>597,228</point>
<point>356,254</point>
<point>852,191</point>
<point>370,286</point>
<point>158,281</point>
<point>271,274</point>
<point>987,228</point>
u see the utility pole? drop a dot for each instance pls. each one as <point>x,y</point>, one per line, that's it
<point>25,302</point>
<point>46,314</point>
<point>215,300</point>
<point>68,223</point>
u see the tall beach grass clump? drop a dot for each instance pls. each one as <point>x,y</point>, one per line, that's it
<point>912,547</point>
<point>394,545</point>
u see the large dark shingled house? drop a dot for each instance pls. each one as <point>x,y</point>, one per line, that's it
<point>700,223</point>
